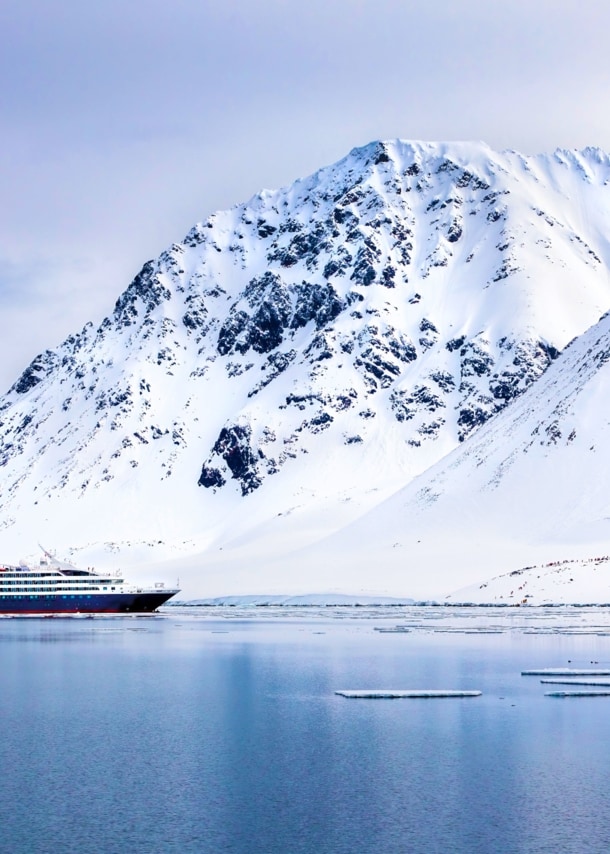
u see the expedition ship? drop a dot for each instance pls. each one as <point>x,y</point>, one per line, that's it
<point>56,587</point>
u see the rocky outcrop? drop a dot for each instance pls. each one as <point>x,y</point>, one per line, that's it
<point>232,448</point>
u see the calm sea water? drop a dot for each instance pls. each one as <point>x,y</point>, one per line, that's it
<point>222,733</point>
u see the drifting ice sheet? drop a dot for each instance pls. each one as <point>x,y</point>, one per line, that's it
<point>399,695</point>
<point>561,671</point>
<point>578,694</point>
<point>574,682</point>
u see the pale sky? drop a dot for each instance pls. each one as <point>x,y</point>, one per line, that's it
<point>123,124</point>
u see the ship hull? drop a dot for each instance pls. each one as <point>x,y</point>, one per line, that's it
<point>92,603</point>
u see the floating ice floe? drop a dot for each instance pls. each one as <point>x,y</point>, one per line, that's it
<point>561,671</point>
<point>574,682</point>
<point>392,630</point>
<point>399,695</point>
<point>578,694</point>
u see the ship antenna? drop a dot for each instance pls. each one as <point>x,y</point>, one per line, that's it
<point>45,552</point>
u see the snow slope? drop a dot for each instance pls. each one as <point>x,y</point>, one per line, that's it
<point>266,385</point>
<point>528,488</point>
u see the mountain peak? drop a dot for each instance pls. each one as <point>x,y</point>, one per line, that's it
<point>319,345</point>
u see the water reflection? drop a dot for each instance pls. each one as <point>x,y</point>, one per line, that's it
<point>203,735</point>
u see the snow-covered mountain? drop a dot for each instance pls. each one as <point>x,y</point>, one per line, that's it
<point>519,511</point>
<point>263,388</point>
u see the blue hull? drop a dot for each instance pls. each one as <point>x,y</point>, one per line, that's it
<point>93,603</point>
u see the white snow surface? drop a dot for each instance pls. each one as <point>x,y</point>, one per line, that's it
<point>360,383</point>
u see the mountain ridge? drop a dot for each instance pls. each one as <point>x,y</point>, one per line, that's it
<point>324,343</point>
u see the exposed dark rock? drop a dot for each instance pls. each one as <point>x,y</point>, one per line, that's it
<point>464,179</point>
<point>401,404</point>
<point>334,268</point>
<point>319,303</point>
<point>196,236</point>
<point>342,215</point>
<point>495,215</point>
<point>455,230</point>
<point>455,343</point>
<point>427,399</point>
<point>166,354</point>
<point>318,349</point>
<point>194,318</point>
<point>349,196</point>
<point>387,277</point>
<point>263,330</point>
<point>469,418</point>
<point>377,355</point>
<point>353,296</point>
<point>553,432</point>
<point>264,229</point>
<point>236,369</point>
<point>233,446</point>
<point>505,388</point>
<point>364,271</point>
<point>210,477</point>
<point>444,380</point>
<point>275,365</point>
<point>320,422</point>
<point>406,405</point>
<point>338,265</point>
<point>401,347</point>
<point>475,360</point>
<point>284,256</point>
<point>377,369</point>
<point>266,288</point>
<point>381,155</point>
<point>302,400</point>
<point>146,289</point>
<point>354,235</point>
<point>7,450</point>
<point>345,401</point>
<point>36,371</point>
<point>305,245</point>
<point>430,333</point>
<point>290,226</point>
<point>504,271</point>
<point>447,166</point>
<point>114,398</point>
<point>403,242</point>
<point>266,327</point>
<point>431,429</point>
<point>548,350</point>
<point>426,325</point>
